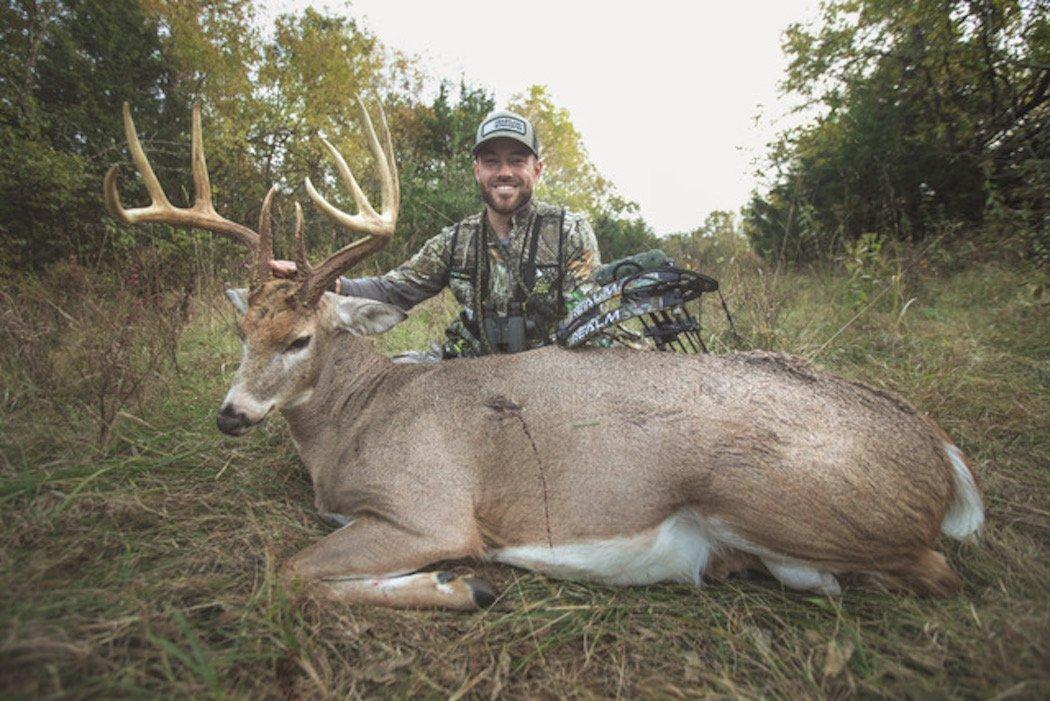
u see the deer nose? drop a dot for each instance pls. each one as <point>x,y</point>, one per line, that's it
<point>232,422</point>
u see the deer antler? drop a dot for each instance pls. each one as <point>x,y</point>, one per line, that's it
<point>264,251</point>
<point>378,227</point>
<point>202,214</point>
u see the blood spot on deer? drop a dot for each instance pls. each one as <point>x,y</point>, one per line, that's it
<point>503,407</point>
<point>507,408</point>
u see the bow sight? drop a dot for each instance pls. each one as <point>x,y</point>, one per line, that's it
<point>649,288</point>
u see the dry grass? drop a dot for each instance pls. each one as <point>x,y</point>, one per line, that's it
<point>149,570</point>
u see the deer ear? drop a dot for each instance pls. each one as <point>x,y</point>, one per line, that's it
<point>239,299</point>
<point>364,317</point>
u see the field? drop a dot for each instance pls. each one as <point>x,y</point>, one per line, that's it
<point>147,567</point>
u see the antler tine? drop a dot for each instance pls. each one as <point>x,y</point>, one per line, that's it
<point>377,227</point>
<point>264,253</point>
<point>302,264</point>
<point>365,207</point>
<point>382,158</point>
<point>158,200</point>
<point>388,147</point>
<point>201,182</point>
<point>201,215</point>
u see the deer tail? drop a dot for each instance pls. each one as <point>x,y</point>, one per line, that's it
<point>966,511</point>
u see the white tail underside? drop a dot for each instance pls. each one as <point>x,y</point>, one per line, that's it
<point>966,512</point>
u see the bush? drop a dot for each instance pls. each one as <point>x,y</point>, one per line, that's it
<point>88,344</point>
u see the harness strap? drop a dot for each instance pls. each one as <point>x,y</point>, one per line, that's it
<point>561,261</point>
<point>480,277</point>
<point>526,273</point>
<point>528,270</point>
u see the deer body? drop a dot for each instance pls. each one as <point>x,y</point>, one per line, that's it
<point>617,466</point>
<point>626,467</point>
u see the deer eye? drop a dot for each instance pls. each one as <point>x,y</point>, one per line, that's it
<point>298,343</point>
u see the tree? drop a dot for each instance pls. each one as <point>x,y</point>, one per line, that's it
<point>621,231</point>
<point>711,246</point>
<point>434,143</point>
<point>932,111</point>
<point>67,65</point>
<point>65,68</point>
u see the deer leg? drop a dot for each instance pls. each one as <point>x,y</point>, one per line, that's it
<point>373,562</point>
<point>423,590</point>
<point>796,575</point>
<point>732,564</point>
<point>926,573</point>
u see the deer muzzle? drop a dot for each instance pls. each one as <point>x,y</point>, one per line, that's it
<point>233,422</point>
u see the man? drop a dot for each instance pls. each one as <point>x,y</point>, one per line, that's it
<point>514,267</point>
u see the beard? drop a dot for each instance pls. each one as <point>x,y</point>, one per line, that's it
<point>503,206</point>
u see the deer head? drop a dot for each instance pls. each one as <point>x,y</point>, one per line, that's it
<point>285,322</point>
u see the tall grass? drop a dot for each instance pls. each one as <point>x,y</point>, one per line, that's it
<point>147,567</point>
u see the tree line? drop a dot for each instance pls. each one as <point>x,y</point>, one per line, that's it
<point>933,119</point>
<point>67,65</point>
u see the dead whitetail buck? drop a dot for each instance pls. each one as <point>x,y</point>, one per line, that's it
<point>615,466</point>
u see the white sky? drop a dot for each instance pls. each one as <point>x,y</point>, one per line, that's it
<point>665,93</point>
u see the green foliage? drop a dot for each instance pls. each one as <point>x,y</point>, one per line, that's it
<point>437,182</point>
<point>65,67</point>
<point>710,248</point>
<point>621,231</point>
<point>86,345</point>
<point>869,268</point>
<point>932,113</point>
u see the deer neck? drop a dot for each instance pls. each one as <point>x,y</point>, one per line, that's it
<point>349,377</point>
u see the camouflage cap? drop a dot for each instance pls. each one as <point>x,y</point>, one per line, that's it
<point>504,124</point>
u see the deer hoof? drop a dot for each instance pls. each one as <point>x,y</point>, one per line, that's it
<point>484,593</point>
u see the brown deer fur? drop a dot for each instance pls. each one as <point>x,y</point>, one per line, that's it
<point>549,448</point>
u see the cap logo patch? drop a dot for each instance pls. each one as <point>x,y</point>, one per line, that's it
<point>503,124</point>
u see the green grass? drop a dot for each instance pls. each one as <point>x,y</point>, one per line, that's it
<point>148,569</point>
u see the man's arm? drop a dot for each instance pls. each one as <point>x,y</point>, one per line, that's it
<point>421,277</point>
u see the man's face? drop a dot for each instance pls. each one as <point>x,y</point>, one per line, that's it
<point>506,171</point>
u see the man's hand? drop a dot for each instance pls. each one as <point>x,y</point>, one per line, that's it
<point>286,269</point>
<point>282,268</point>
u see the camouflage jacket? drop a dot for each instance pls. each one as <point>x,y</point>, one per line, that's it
<point>451,259</point>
